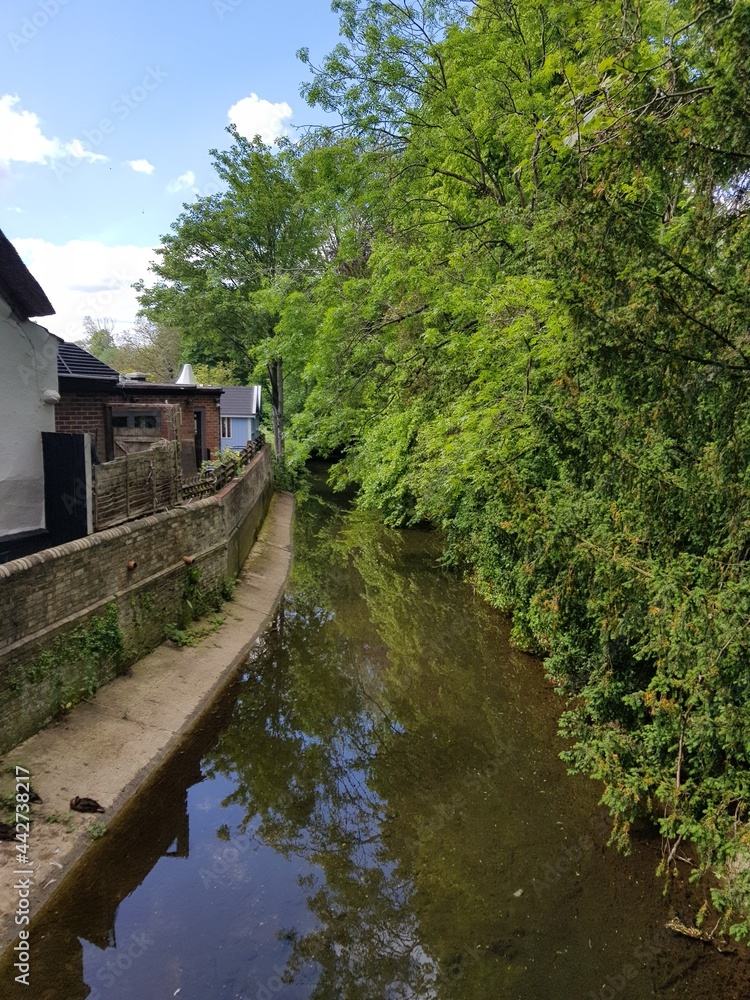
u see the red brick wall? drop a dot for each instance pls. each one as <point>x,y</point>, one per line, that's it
<point>83,413</point>
<point>213,426</point>
<point>212,437</point>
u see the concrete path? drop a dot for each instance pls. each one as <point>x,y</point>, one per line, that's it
<point>106,749</point>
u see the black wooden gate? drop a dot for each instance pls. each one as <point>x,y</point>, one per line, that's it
<point>67,487</point>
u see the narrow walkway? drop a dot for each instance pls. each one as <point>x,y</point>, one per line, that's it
<point>105,749</point>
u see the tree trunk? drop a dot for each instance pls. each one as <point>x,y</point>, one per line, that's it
<point>277,407</point>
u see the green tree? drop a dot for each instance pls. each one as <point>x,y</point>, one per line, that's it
<point>545,354</point>
<point>219,374</point>
<point>100,341</point>
<point>153,349</point>
<point>231,259</point>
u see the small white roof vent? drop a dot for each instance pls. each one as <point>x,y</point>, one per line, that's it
<point>186,376</point>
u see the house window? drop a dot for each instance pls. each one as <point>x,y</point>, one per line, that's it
<point>144,420</point>
<point>226,427</point>
<point>123,420</point>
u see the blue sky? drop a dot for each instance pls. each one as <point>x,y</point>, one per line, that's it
<point>107,113</point>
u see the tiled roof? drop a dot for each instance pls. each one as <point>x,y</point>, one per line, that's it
<point>74,362</point>
<point>240,401</point>
<point>18,286</point>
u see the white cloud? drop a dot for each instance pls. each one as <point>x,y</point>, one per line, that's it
<point>77,150</point>
<point>141,166</point>
<point>253,116</point>
<point>22,140</point>
<point>181,183</point>
<point>86,278</point>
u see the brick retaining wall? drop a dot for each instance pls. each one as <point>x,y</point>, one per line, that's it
<point>54,601</point>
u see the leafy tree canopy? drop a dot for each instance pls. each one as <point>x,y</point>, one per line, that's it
<point>544,352</point>
<point>228,258</point>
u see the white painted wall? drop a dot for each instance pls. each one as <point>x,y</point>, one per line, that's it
<point>28,369</point>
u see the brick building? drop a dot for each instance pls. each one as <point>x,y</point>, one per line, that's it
<point>128,414</point>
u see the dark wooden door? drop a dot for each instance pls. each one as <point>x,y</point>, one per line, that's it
<point>66,490</point>
<point>199,419</point>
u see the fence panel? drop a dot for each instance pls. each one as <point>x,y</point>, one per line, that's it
<point>210,481</point>
<point>138,484</point>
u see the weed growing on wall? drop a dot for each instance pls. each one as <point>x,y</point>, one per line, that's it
<point>196,598</point>
<point>191,636</point>
<point>197,601</point>
<point>145,623</point>
<point>77,662</point>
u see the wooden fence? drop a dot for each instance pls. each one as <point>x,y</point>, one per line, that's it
<point>145,482</point>
<point>217,476</point>
<point>138,484</point>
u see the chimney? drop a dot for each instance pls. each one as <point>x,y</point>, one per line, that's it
<point>186,376</point>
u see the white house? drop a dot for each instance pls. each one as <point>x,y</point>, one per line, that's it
<point>28,393</point>
<point>240,415</point>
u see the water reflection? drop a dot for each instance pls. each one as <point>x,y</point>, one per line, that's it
<point>86,918</point>
<point>379,813</point>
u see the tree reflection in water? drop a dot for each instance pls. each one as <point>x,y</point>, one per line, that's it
<point>358,744</point>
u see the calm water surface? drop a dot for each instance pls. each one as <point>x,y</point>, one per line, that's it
<point>377,810</point>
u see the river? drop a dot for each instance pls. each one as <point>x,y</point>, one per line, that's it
<point>377,809</point>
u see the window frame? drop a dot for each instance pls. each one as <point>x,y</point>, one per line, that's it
<point>130,417</point>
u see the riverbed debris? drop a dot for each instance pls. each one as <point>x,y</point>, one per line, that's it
<point>707,937</point>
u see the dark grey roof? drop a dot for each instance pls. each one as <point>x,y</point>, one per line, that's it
<point>74,362</point>
<point>18,286</point>
<point>240,401</point>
